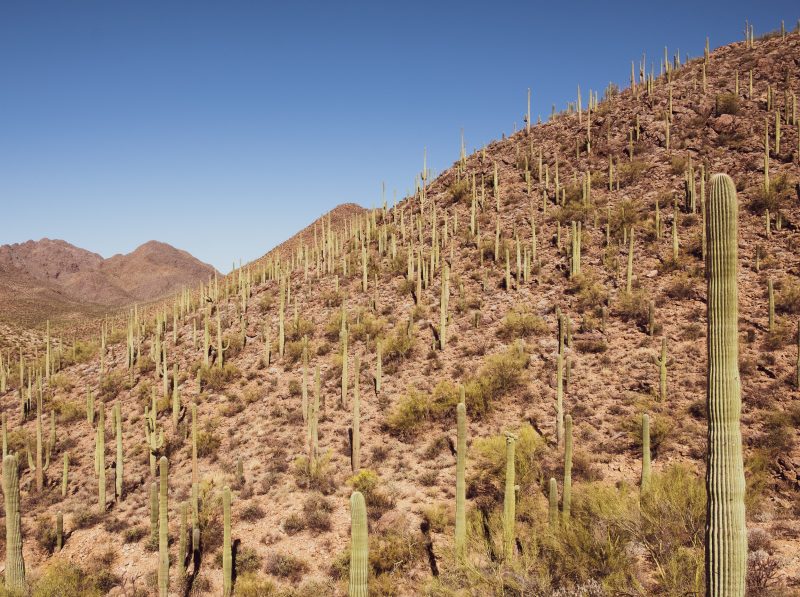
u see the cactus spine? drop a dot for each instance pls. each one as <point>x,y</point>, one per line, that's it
<point>509,501</point>
<point>359,548</point>
<point>726,534</point>
<point>567,491</point>
<point>227,554</point>
<point>461,458</point>
<point>163,531</point>
<point>15,564</point>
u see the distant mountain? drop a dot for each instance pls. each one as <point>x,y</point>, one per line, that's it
<point>53,279</point>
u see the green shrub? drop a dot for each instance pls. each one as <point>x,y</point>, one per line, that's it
<point>378,501</point>
<point>286,565</point>
<point>520,323</point>
<point>216,378</point>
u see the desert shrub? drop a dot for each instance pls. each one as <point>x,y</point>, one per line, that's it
<point>590,294</point>
<point>377,499</point>
<point>393,550</point>
<point>46,533</point>
<point>762,573</point>
<point>630,172</point>
<point>775,199</point>
<point>680,287</point>
<point>317,475</point>
<point>459,190</point>
<point>670,524</point>
<point>252,512</point>
<point>317,511</point>
<point>591,345</point>
<point>660,429</point>
<point>726,103</point>
<point>61,577</point>
<point>632,306</point>
<point>253,585</point>
<point>297,328</point>
<point>367,325</point>
<point>112,384</point>
<point>209,516</point>
<point>499,374</point>
<point>207,443</point>
<point>216,378</point>
<point>68,411</point>
<point>286,566</point>
<point>135,534</point>
<point>292,353</point>
<point>487,483</point>
<point>520,323</point>
<point>398,346</point>
<point>787,297</point>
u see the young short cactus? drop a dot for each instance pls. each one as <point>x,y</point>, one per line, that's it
<point>771,306</point>
<point>64,474</point>
<point>359,548</point>
<point>726,533</point>
<point>553,502</point>
<point>15,564</point>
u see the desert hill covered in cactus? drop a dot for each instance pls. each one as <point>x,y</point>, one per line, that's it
<point>525,337</point>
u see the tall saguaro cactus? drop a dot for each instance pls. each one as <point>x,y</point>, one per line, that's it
<point>509,501</point>
<point>645,452</point>
<point>567,491</point>
<point>227,554</point>
<point>359,549</point>
<point>163,530</point>
<point>15,564</point>
<point>726,534</point>
<point>461,462</point>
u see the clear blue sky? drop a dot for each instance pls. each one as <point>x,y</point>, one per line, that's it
<point>223,127</point>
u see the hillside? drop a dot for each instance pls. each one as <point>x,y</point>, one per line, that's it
<point>634,170</point>
<point>56,280</point>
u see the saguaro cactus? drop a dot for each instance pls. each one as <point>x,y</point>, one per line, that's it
<point>645,452</point>
<point>553,502</point>
<point>567,491</point>
<point>355,459</point>
<point>163,530</point>
<point>15,564</point>
<point>461,458</point>
<point>59,531</point>
<point>662,370</point>
<point>101,457</point>
<point>227,554</point>
<point>509,501</point>
<point>359,549</point>
<point>726,534</point>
